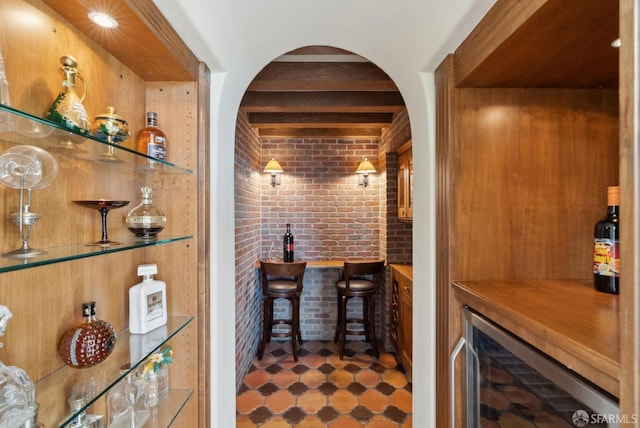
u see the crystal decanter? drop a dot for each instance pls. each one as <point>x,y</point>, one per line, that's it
<point>90,342</point>
<point>18,406</point>
<point>145,220</point>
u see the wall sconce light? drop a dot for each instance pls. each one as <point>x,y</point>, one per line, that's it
<point>364,169</point>
<point>273,167</point>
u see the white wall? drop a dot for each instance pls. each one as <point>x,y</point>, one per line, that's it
<point>237,38</point>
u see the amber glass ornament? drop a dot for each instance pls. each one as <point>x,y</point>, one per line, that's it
<point>90,342</point>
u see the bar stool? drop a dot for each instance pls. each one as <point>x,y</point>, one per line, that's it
<point>281,281</point>
<point>360,279</point>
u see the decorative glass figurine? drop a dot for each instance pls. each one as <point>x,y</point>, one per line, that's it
<point>145,220</point>
<point>17,392</point>
<point>111,128</point>
<point>126,402</point>
<point>90,342</point>
<point>67,109</point>
<point>26,168</point>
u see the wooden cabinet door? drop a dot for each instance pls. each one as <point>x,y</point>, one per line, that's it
<point>406,329</point>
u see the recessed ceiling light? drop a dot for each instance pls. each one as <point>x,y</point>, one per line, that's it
<point>616,43</point>
<point>103,19</point>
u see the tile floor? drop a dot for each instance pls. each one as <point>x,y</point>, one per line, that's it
<point>320,390</point>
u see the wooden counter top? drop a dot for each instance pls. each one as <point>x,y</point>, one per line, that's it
<point>321,264</point>
<point>567,320</point>
<point>404,270</point>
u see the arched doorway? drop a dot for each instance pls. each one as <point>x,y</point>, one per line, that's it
<point>318,111</point>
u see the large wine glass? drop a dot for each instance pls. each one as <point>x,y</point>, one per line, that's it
<point>26,168</point>
<point>104,206</point>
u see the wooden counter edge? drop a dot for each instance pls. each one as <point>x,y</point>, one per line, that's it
<point>586,362</point>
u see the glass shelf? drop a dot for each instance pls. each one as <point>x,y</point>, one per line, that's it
<point>164,414</point>
<point>79,251</point>
<point>94,382</point>
<point>36,131</point>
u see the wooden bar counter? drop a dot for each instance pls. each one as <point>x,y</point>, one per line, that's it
<point>568,320</point>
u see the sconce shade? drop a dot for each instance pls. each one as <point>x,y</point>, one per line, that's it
<point>365,167</point>
<point>273,167</point>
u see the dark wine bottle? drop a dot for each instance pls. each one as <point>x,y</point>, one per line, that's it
<point>287,244</point>
<point>606,249</point>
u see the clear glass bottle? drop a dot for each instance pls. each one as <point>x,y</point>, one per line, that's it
<point>126,403</point>
<point>90,342</point>
<point>145,220</point>
<point>151,140</point>
<point>17,393</point>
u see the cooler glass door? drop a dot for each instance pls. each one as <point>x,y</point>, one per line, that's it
<point>519,386</point>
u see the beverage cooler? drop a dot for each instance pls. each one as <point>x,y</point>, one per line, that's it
<point>508,383</point>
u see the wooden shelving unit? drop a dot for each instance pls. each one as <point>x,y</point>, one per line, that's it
<point>533,124</point>
<point>141,66</point>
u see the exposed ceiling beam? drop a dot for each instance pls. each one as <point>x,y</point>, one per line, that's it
<point>320,120</point>
<point>322,76</point>
<point>288,132</point>
<point>322,102</point>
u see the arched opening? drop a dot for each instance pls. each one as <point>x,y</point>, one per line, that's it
<point>319,111</point>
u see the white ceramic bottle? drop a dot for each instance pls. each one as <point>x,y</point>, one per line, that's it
<point>147,302</point>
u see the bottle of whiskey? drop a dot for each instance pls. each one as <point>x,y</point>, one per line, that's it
<point>151,140</point>
<point>88,343</point>
<point>606,249</point>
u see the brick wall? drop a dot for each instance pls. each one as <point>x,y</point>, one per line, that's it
<point>331,216</point>
<point>397,235</point>
<point>247,183</point>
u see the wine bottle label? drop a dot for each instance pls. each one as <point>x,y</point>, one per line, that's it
<point>157,151</point>
<point>606,258</point>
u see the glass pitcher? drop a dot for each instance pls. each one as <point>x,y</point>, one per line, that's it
<point>67,109</point>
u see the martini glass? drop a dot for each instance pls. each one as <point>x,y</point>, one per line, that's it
<point>104,206</point>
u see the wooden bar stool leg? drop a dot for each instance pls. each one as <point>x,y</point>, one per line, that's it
<point>295,331</point>
<point>339,320</point>
<point>343,324</point>
<point>371,321</point>
<point>365,319</point>
<point>266,325</point>
<point>298,320</point>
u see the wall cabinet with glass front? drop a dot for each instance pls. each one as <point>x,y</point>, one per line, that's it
<point>515,107</point>
<point>405,181</point>
<point>137,68</point>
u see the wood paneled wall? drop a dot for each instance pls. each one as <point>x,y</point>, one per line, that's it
<point>522,179</point>
<point>531,170</point>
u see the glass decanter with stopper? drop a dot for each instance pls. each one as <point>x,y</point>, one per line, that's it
<point>67,109</point>
<point>18,406</point>
<point>145,220</point>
